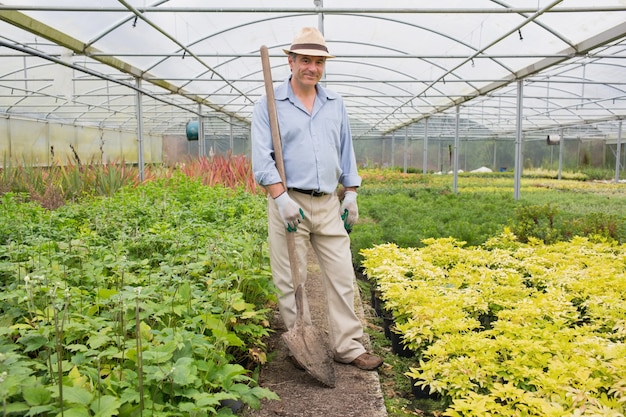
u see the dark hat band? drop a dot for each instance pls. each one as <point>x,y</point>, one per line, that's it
<point>314,46</point>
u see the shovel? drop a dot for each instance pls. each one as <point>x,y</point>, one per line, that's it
<point>305,342</point>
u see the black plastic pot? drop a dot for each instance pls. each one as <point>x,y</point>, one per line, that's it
<point>397,344</point>
<point>378,305</point>
<point>422,393</point>
<point>373,296</point>
<point>387,324</point>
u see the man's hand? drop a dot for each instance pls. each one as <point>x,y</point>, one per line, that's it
<point>290,212</point>
<point>349,204</point>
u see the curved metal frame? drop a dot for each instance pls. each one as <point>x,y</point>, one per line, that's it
<point>424,99</point>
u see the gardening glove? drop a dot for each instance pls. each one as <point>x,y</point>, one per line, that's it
<point>349,210</point>
<point>289,211</point>
<point>344,217</point>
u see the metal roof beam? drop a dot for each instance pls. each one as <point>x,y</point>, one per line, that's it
<point>38,28</point>
<point>325,10</point>
<point>580,49</point>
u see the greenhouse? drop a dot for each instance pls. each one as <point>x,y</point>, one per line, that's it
<point>155,261</point>
<point>433,86</point>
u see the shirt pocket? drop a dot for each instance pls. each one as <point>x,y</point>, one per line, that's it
<point>332,134</point>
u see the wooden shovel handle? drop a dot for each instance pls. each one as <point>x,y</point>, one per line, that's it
<point>271,109</point>
<point>278,157</point>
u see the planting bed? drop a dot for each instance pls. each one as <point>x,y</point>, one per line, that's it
<point>357,394</point>
<point>510,328</point>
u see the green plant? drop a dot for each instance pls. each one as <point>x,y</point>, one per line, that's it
<point>607,225</point>
<point>594,174</point>
<point>556,322</point>
<point>139,302</point>
<point>406,216</point>
<point>536,222</point>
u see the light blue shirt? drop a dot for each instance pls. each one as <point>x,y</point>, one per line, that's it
<point>317,148</point>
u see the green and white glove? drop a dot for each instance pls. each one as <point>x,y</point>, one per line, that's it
<point>289,211</point>
<point>349,209</point>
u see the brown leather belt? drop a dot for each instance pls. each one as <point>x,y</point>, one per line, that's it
<point>312,193</point>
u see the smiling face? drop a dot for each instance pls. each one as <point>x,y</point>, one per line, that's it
<point>306,70</point>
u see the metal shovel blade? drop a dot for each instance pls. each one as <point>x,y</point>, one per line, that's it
<point>309,347</point>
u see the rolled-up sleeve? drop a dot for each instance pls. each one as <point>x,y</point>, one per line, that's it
<point>263,164</point>
<point>349,170</point>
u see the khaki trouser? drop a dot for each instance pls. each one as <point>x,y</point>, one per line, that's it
<point>323,228</point>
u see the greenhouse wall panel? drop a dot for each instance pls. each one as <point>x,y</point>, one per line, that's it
<point>5,145</point>
<point>62,140</point>
<point>89,145</point>
<point>111,146</point>
<point>29,142</point>
<point>34,142</point>
<point>153,152</point>
<point>176,148</point>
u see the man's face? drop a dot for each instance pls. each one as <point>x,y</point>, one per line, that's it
<point>307,70</point>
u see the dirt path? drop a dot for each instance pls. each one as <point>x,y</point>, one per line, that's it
<point>357,394</point>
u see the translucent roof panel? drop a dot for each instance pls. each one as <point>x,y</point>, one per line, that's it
<point>396,64</point>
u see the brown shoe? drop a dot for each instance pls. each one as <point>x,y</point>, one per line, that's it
<point>295,362</point>
<point>367,362</point>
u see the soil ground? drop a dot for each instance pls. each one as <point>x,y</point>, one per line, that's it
<point>357,393</point>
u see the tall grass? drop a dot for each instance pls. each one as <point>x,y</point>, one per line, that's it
<point>54,186</point>
<point>232,171</point>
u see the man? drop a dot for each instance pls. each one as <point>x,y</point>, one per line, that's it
<point>318,155</point>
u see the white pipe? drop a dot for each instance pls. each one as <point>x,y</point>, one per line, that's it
<point>618,151</point>
<point>425,155</point>
<point>406,147</point>
<point>561,149</point>
<point>201,143</point>
<point>518,139</point>
<point>455,155</point>
<point>139,111</point>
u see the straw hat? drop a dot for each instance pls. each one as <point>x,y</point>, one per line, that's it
<point>309,41</point>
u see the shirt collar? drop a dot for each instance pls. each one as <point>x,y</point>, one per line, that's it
<point>284,92</point>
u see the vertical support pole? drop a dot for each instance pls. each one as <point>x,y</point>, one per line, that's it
<point>201,142</point>
<point>232,138</point>
<point>406,147</point>
<point>455,154</point>
<point>495,155</point>
<point>618,151</point>
<point>578,144</point>
<point>425,150</point>
<point>518,139</point>
<point>561,149</point>
<point>393,149</point>
<point>319,5</point>
<point>139,110</point>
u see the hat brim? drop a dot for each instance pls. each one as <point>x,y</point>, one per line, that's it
<point>309,52</point>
